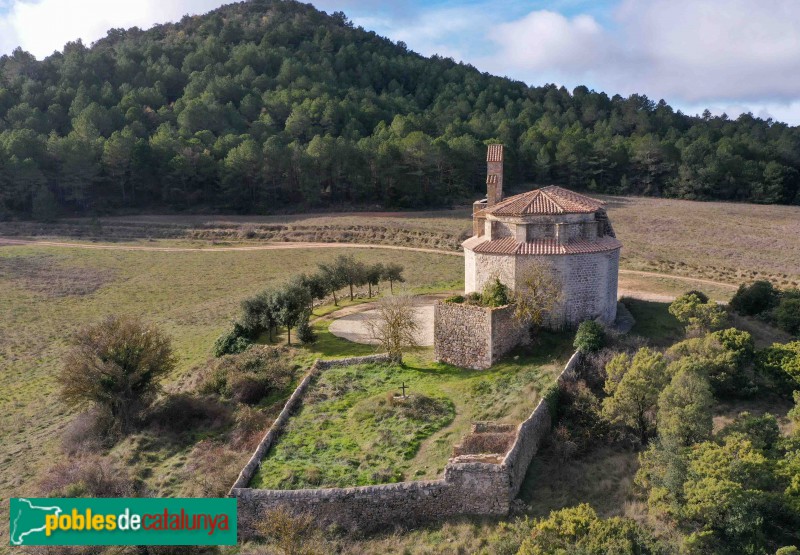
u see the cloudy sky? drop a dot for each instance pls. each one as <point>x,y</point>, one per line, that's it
<point>727,55</point>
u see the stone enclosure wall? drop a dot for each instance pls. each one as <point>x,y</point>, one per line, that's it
<point>467,487</point>
<point>474,336</point>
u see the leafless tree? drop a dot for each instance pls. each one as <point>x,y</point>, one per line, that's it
<point>396,326</point>
<point>538,293</point>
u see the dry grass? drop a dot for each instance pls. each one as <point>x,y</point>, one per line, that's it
<point>191,295</point>
<point>726,242</point>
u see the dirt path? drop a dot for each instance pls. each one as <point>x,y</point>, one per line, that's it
<point>7,241</point>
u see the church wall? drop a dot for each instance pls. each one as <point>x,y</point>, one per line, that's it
<point>474,336</point>
<point>490,266</point>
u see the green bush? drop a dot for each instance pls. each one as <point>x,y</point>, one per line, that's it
<point>781,362</point>
<point>787,314</point>
<point>233,341</point>
<point>756,298</point>
<point>456,299</point>
<point>591,337</point>
<point>305,333</point>
<point>495,294</point>
<point>473,298</point>
<point>247,377</point>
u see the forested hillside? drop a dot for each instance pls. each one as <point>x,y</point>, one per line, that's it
<point>268,105</point>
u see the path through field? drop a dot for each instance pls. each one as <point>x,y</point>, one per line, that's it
<point>6,241</point>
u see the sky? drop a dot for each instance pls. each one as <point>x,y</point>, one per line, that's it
<point>730,56</point>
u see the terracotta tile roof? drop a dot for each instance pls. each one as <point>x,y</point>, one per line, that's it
<point>547,200</point>
<point>491,179</point>
<point>495,153</point>
<point>509,245</point>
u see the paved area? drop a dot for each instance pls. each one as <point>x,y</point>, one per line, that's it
<point>353,327</point>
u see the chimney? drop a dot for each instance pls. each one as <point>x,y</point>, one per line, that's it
<point>494,174</point>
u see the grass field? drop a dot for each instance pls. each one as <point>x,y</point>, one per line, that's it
<point>351,431</point>
<point>46,294</point>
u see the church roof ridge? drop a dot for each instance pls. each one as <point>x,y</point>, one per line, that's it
<point>546,201</point>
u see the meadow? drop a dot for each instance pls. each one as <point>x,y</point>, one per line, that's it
<point>352,431</point>
<point>47,293</point>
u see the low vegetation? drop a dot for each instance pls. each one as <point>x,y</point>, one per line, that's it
<point>373,435</point>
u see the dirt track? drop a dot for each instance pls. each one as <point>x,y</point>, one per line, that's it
<point>7,241</point>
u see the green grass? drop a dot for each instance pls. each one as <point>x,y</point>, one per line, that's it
<point>47,293</point>
<point>351,432</point>
<point>654,322</point>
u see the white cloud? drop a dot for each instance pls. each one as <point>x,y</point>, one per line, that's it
<point>547,41</point>
<point>687,51</point>
<point>45,26</point>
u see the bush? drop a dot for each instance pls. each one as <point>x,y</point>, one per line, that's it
<point>700,295</point>
<point>232,342</point>
<point>781,362</point>
<point>89,476</point>
<point>787,314</point>
<point>698,316</point>
<point>456,299</point>
<point>247,377</point>
<point>591,337</point>
<point>495,294</point>
<point>305,333</point>
<point>115,365</point>
<point>756,298</point>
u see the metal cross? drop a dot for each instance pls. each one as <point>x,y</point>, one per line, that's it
<point>404,389</point>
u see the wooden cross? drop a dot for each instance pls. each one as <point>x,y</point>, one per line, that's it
<point>403,387</point>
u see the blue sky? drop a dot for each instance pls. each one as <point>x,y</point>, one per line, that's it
<point>727,55</point>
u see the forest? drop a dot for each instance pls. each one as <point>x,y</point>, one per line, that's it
<point>270,105</point>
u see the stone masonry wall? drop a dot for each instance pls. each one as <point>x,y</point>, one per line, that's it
<point>531,432</point>
<point>472,336</point>
<point>467,488</point>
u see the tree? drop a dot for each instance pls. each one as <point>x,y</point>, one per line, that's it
<point>537,295</point>
<point>591,337</point>
<point>373,275</point>
<point>787,314</point>
<point>698,316</point>
<point>633,387</point>
<point>579,530</point>
<point>756,298</point>
<point>395,328</point>
<point>332,278</point>
<point>393,273</point>
<point>115,364</point>
<point>316,285</point>
<point>290,304</point>
<point>684,409</point>
<point>781,361</point>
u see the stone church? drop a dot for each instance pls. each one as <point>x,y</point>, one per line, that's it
<point>568,232</point>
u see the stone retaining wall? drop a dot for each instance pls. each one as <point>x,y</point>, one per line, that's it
<point>467,487</point>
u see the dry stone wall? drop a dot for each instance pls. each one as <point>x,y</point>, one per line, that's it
<point>467,487</point>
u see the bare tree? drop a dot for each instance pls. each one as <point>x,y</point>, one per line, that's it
<point>537,294</point>
<point>396,326</point>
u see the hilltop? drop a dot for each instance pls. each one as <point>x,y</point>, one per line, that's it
<point>270,105</point>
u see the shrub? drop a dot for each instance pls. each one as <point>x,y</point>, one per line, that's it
<point>762,431</point>
<point>247,377</point>
<point>782,363</point>
<point>699,294</point>
<point>89,476</point>
<point>456,299</point>
<point>787,314</point>
<point>473,298</point>
<point>115,365</point>
<point>495,293</point>
<point>698,316</point>
<point>756,298</point>
<point>580,530</point>
<point>591,337</point>
<point>182,412</point>
<point>232,342</point>
<point>305,333</point>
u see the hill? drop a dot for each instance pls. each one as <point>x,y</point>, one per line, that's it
<point>265,105</point>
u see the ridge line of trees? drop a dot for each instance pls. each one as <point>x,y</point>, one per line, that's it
<point>268,104</point>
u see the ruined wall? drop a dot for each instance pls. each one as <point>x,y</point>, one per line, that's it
<point>531,432</point>
<point>473,336</point>
<point>467,488</point>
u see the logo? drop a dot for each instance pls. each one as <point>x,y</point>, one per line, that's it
<point>123,521</point>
